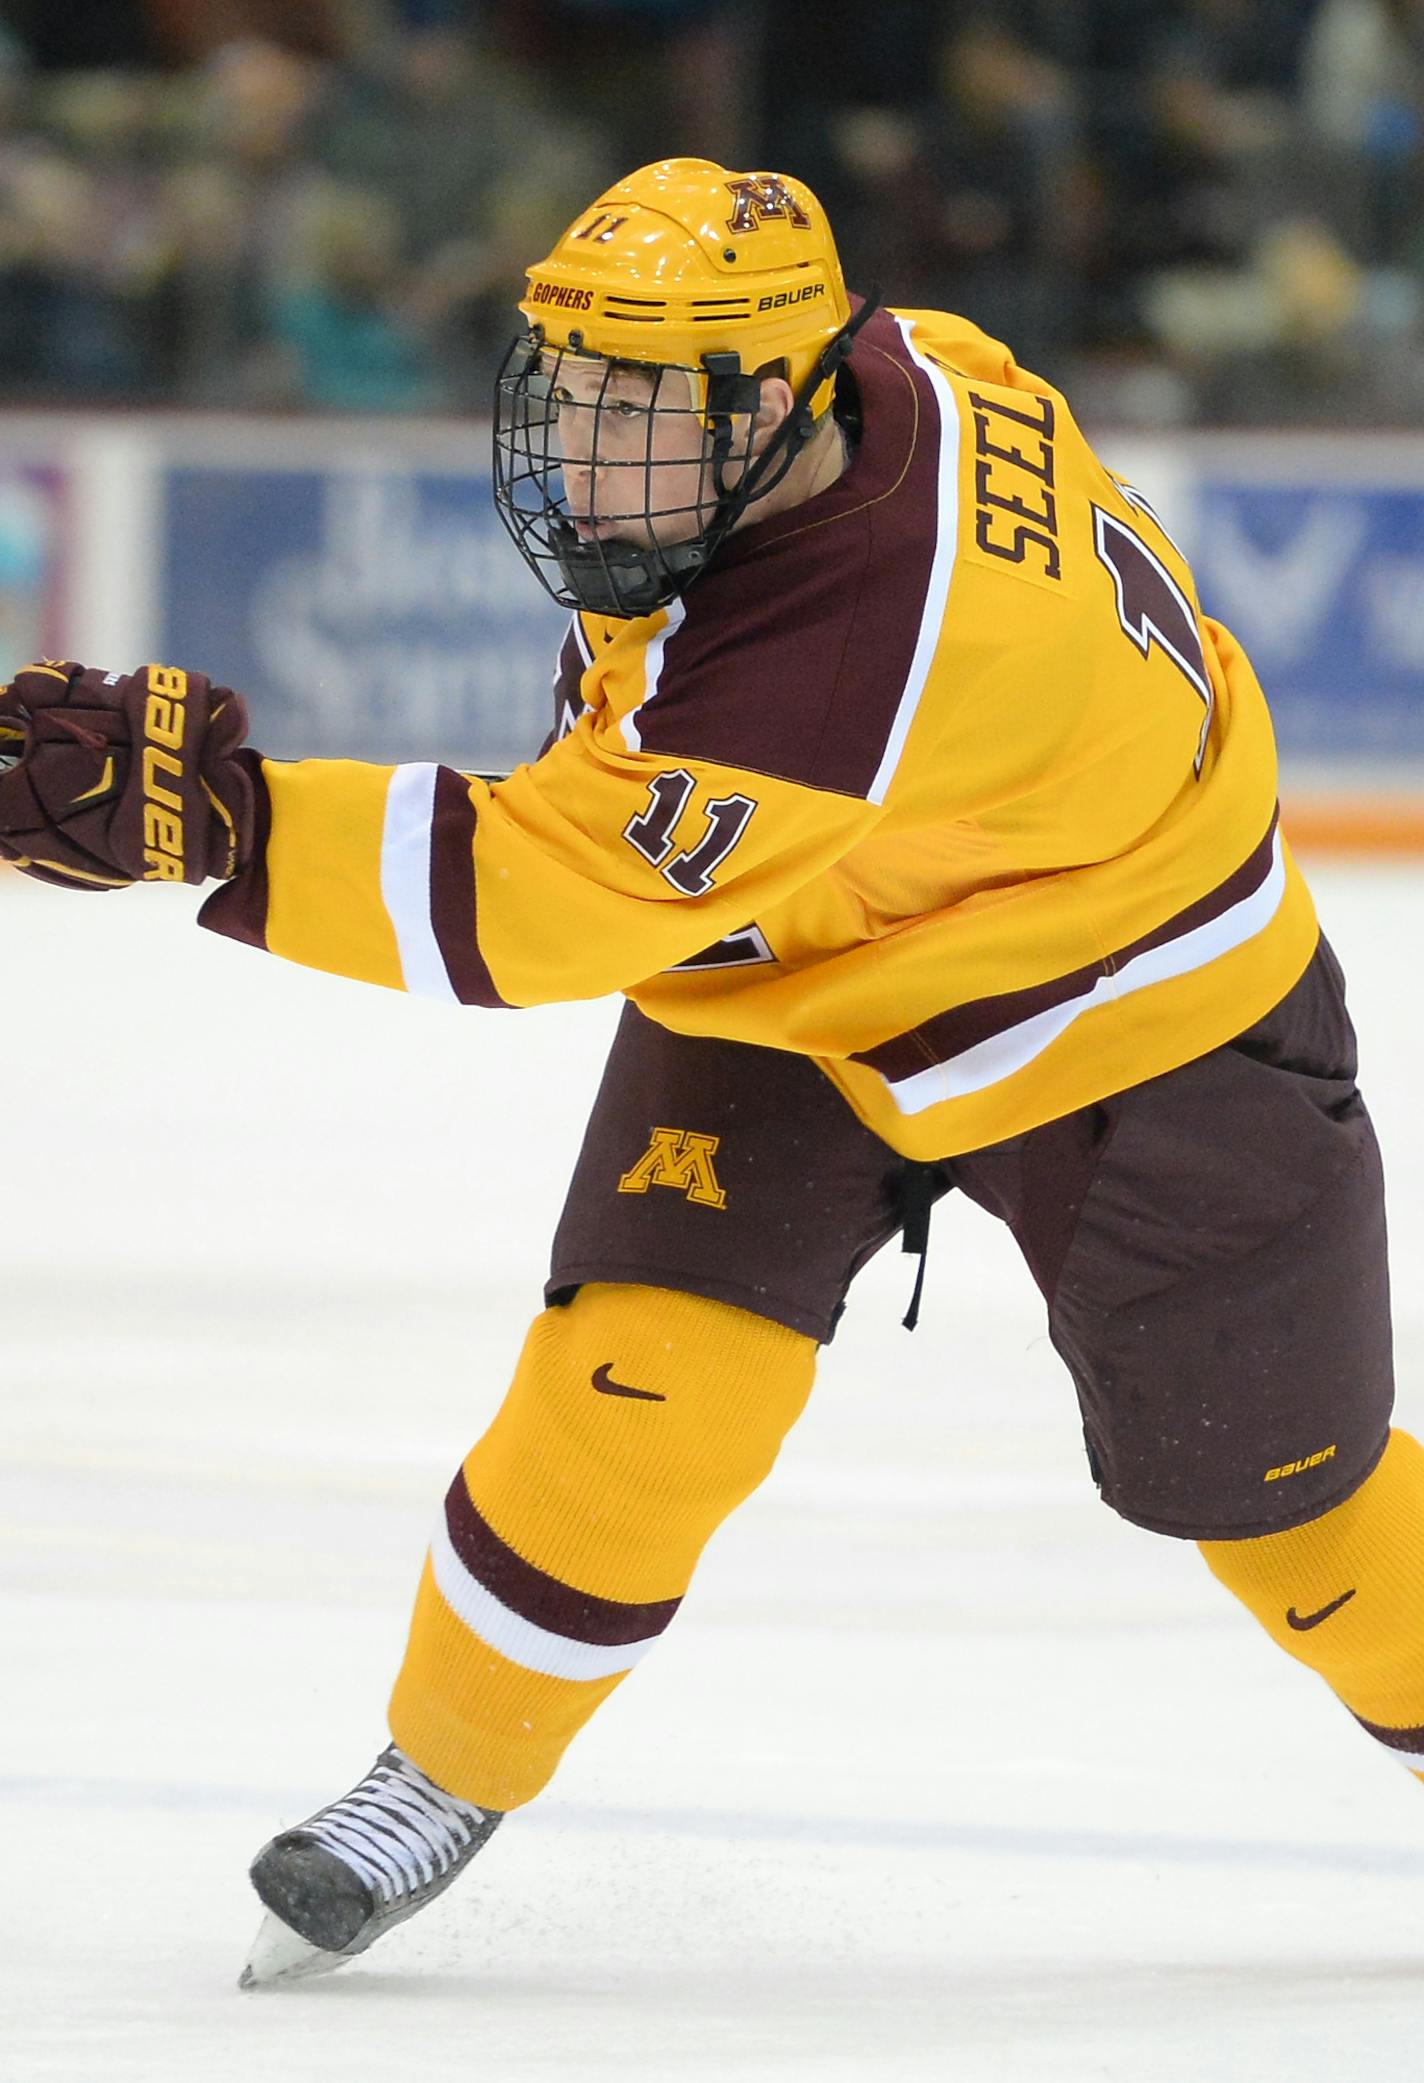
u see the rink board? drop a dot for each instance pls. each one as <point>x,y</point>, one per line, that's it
<point>352,578</point>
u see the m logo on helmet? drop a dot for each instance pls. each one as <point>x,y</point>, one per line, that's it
<point>764,195</point>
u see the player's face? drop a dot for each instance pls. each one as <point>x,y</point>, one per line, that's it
<point>633,452</point>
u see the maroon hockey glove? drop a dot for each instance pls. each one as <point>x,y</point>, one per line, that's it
<point>115,778</point>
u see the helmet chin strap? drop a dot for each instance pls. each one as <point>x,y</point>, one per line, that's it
<point>799,424</point>
<point>623,579</point>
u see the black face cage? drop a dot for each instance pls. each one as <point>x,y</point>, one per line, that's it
<point>561,461</point>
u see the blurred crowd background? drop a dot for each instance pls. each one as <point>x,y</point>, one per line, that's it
<point>1183,211</point>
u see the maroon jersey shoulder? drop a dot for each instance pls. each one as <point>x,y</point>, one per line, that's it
<point>569,704</point>
<point>793,654</point>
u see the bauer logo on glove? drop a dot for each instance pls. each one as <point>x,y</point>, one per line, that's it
<point>107,779</point>
<point>164,725</point>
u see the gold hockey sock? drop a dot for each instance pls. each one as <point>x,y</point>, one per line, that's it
<point>1345,1594</point>
<point>638,1418</point>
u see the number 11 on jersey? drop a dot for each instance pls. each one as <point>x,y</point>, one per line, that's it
<point>651,831</point>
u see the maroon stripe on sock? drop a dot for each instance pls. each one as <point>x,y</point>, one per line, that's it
<point>1411,1740</point>
<point>537,1597</point>
<point>454,911</point>
<point>963,1027</point>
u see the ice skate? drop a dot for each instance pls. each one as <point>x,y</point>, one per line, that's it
<point>336,1882</point>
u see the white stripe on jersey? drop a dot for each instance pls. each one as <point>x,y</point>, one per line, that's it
<point>941,570</point>
<point>652,671</point>
<point>1004,1054</point>
<point>534,1648</point>
<point>405,881</point>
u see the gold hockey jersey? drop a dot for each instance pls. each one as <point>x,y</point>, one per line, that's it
<point>941,778</point>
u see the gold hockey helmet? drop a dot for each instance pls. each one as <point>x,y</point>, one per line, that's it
<point>683,271</point>
<point>685,259</point>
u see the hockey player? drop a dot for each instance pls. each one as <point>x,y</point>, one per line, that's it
<point>929,829</point>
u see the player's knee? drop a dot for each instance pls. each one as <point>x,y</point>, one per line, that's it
<point>639,1393</point>
<point>1332,1568</point>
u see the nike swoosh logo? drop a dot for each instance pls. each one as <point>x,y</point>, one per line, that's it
<point>1302,1623</point>
<point>606,1386</point>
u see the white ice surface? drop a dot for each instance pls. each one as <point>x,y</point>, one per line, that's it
<point>942,1773</point>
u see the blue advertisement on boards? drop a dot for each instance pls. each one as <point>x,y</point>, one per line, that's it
<point>371,613</point>
<point>1323,583</point>
<point>381,613</point>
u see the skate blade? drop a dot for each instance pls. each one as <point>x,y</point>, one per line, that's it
<point>279,1955</point>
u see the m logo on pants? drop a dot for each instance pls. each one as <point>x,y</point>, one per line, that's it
<point>676,1157</point>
